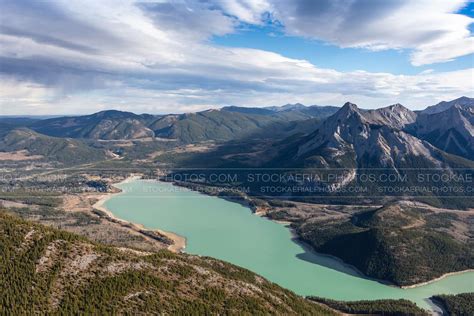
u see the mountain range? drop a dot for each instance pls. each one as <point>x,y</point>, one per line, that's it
<point>358,144</point>
<point>217,125</point>
<point>386,137</point>
<point>319,136</point>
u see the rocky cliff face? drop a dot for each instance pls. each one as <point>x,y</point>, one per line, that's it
<point>451,130</point>
<point>374,135</point>
<point>395,116</point>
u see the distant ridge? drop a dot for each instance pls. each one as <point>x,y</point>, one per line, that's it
<point>108,125</point>
<point>218,125</point>
<point>64,150</point>
<point>448,126</point>
<point>291,112</point>
<point>234,122</point>
<point>444,105</point>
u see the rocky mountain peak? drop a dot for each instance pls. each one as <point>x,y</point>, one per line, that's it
<point>113,114</point>
<point>452,129</point>
<point>348,106</point>
<point>394,108</point>
<point>293,106</point>
<point>397,107</point>
<point>395,116</point>
<point>464,102</point>
<point>286,107</point>
<point>347,111</point>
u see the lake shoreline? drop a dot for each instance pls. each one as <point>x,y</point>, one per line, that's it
<point>308,247</point>
<point>412,286</point>
<point>178,241</point>
<point>260,211</point>
<point>261,208</point>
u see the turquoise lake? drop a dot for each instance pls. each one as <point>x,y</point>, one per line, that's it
<point>229,231</point>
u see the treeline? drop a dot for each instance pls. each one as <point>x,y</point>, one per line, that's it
<point>377,307</point>
<point>456,305</point>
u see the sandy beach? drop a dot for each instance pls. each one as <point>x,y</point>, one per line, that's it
<point>179,242</point>
<point>437,279</point>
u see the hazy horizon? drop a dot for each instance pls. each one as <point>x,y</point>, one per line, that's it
<point>51,115</point>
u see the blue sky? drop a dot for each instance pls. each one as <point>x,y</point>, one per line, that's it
<point>75,57</point>
<point>322,54</point>
<point>271,36</point>
<point>468,9</point>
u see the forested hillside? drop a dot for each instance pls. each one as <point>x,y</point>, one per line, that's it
<point>456,305</point>
<point>44,271</point>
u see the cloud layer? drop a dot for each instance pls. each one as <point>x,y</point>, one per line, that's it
<point>429,27</point>
<point>84,56</point>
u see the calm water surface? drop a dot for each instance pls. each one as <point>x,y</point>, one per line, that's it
<point>228,231</point>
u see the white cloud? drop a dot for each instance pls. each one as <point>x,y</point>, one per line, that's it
<point>80,57</point>
<point>429,27</point>
<point>249,11</point>
<point>443,51</point>
<point>369,90</point>
<point>21,92</point>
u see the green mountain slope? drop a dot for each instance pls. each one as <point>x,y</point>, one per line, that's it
<point>213,125</point>
<point>288,112</point>
<point>217,125</point>
<point>376,307</point>
<point>109,125</point>
<point>396,243</point>
<point>456,305</point>
<point>46,271</point>
<point>64,150</point>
